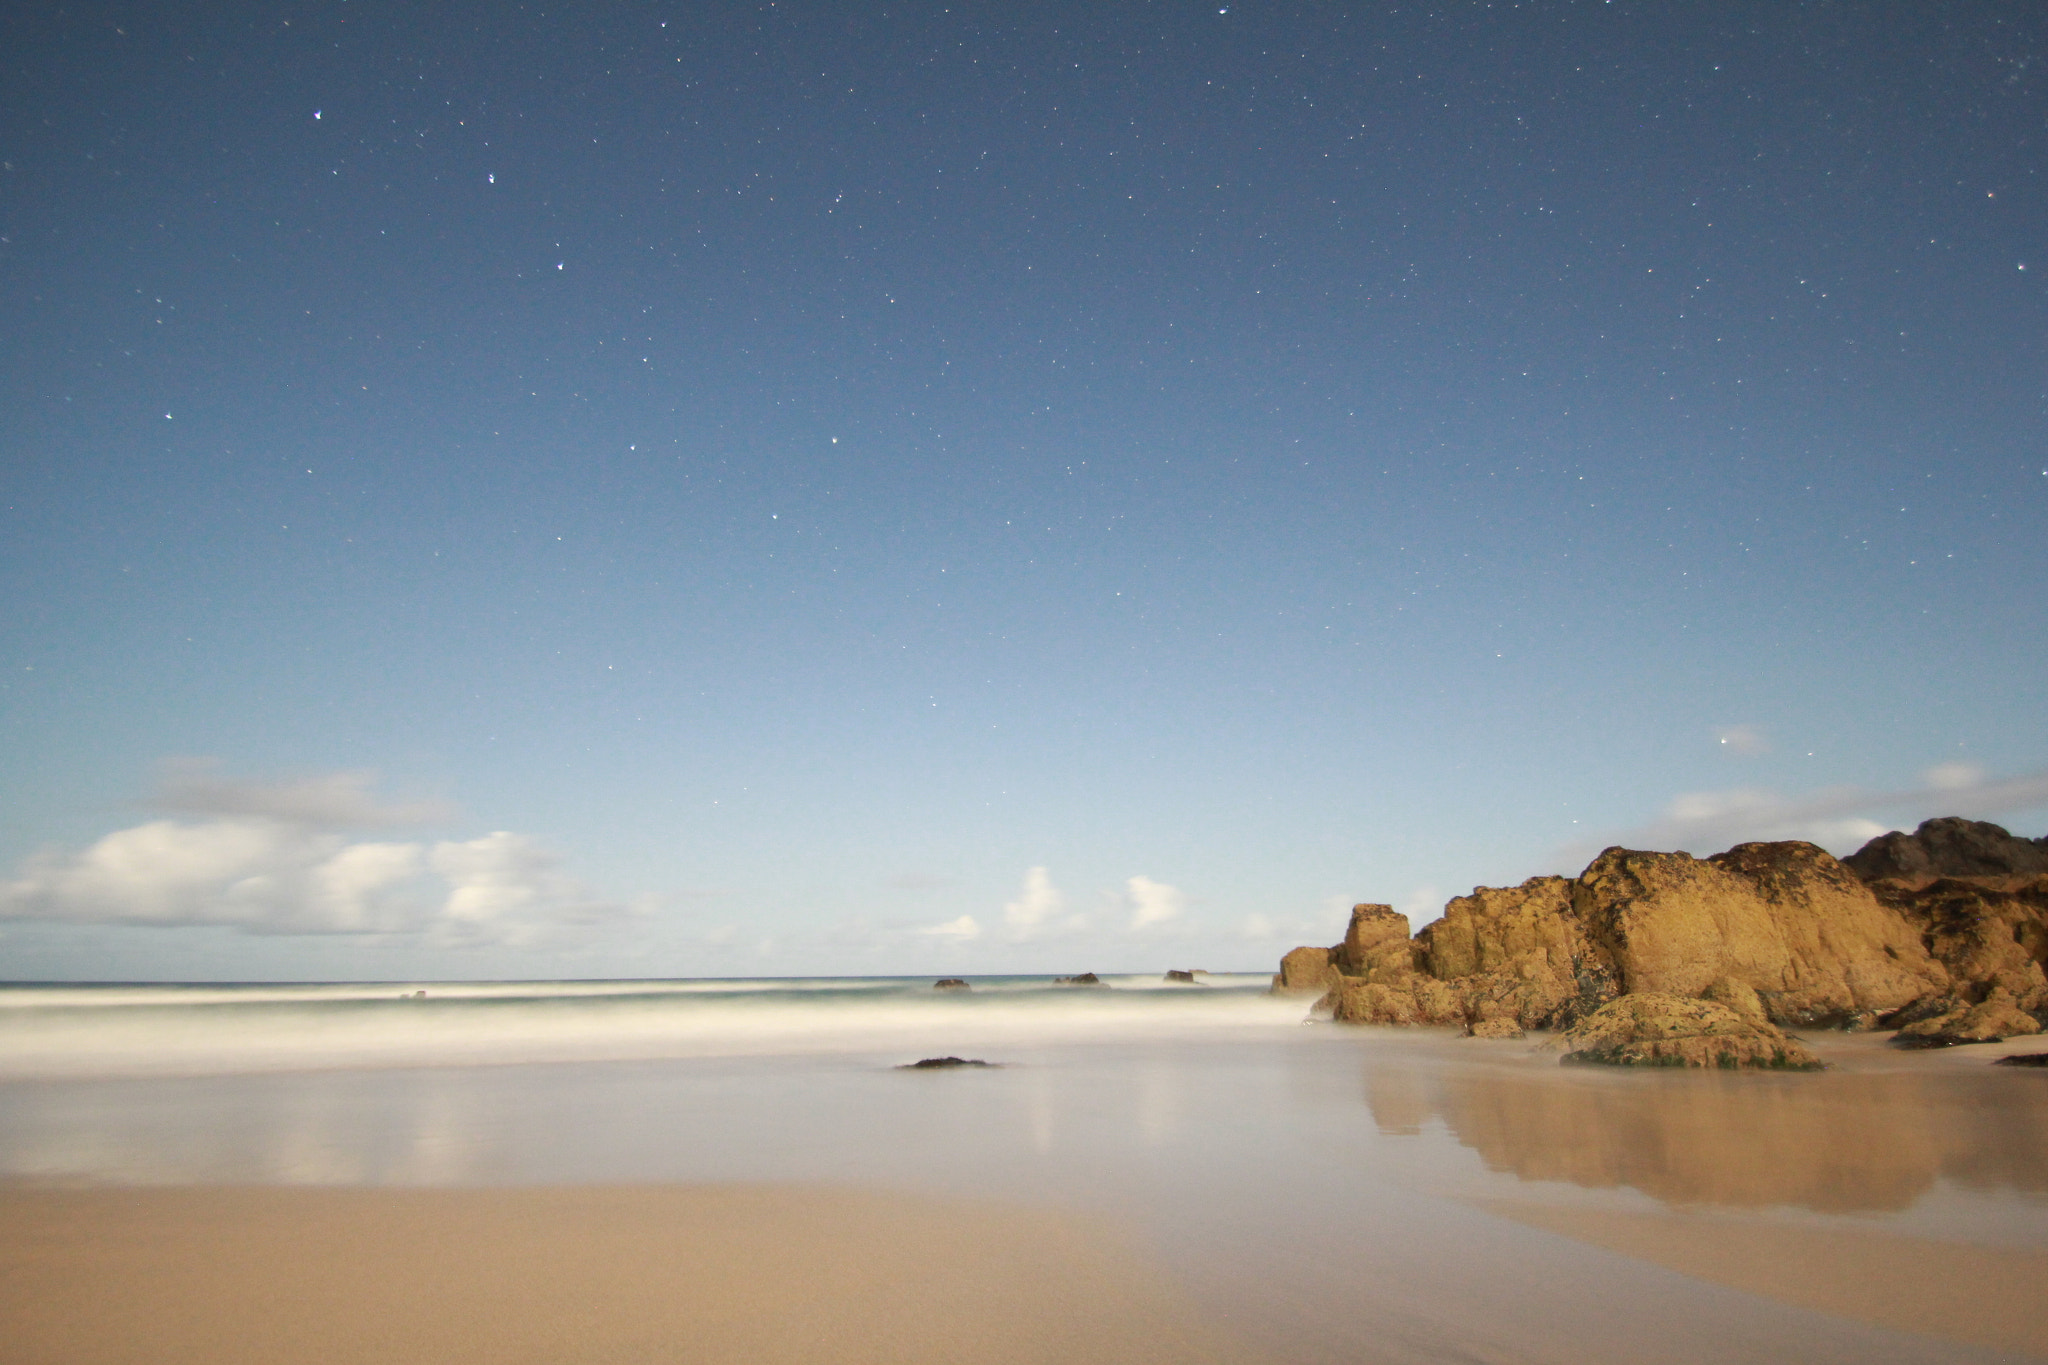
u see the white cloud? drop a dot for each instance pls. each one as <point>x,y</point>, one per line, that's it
<point>272,874</point>
<point>1037,909</point>
<point>196,787</point>
<point>1745,740</point>
<point>1153,902</point>
<point>1422,905</point>
<point>959,930</point>
<point>505,888</point>
<point>1839,819</point>
<point>1954,777</point>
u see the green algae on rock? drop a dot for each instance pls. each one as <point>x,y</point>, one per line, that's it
<point>1654,1029</point>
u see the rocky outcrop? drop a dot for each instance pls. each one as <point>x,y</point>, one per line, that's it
<point>1656,1029</point>
<point>1993,1019</point>
<point>1943,932</point>
<point>1518,954</point>
<point>1950,847</point>
<point>1084,979</point>
<point>1784,919</point>
<point>1977,896</point>
<point>1306,971</point>
<point>950,983</point>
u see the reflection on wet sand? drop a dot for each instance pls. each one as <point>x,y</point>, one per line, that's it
<point>1837,1143</point>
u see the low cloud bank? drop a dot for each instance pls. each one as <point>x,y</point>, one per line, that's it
<point>1840,819</point>
<point>275,860</point>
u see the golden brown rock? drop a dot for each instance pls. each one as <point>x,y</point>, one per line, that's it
<point>1414,999</point>
<point>1497,1027</point>
<point>1518,953</point>
<point>1989,937</point>
<point>1376,945</point>
<point>1656,1029</point>
<point>1991,1020</point>
<point>1784,919</point>
<point>1305,971</point>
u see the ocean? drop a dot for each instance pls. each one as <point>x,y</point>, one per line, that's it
<point>201,1029</point>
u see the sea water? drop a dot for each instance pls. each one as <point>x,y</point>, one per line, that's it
<point>1331,1192</point>
<point>201,1029</point>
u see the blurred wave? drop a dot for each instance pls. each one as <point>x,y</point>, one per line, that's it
<point>74,1030</point>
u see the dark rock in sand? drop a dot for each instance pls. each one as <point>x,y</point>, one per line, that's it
<point>946,1064</point>
<point>951,983</point>
<point>2039,1059</point>
<point>1084,979</point>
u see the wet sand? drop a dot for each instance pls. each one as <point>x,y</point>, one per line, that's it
<point>1323,1196</point>
<point>754,1273</point>
<point>1987,1296</point>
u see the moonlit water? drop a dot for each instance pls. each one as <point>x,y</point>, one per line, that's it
<point>210,1029</point>
<point>1332,1193</point>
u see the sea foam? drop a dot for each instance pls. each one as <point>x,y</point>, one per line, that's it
<point>59,1031</point>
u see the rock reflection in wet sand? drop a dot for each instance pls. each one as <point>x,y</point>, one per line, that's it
<point>1837,1143</point>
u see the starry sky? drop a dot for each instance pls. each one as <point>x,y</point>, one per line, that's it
<point>733,489</point>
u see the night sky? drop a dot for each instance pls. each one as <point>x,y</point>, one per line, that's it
<point>732,489</point>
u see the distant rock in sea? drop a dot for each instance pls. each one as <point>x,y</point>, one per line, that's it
<point>946,1064</point>
<point>1084,979</point>
<point>1182,978</point>
<point>1941,934</point>
<point>951,983</point>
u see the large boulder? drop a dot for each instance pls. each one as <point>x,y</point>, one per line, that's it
<point>1989,939</point>
<point>1306,971</point>
<point>1993,1019</point>
<point>1656,1029</point>
<point>1950,847</point>
<point>1412,999</point>
<point>1518,954</point>
<point>1784,919</point>
<point>1378,982</point>
<point>1376,944</point>
<point>1978,895</point>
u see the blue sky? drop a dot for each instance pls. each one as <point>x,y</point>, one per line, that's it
<point>733,489</point>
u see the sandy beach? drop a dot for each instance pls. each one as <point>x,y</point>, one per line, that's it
<point>640,1273</point>
<point>1135,1186</point>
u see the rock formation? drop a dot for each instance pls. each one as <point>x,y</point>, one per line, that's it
<point>1785,920</point>
<point>1655,1029</point>
<point>1942,934</point>
<point>1305,971</point>
<point>1950,847</point>
<point>951,983</point>
<point>1978,898</point>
